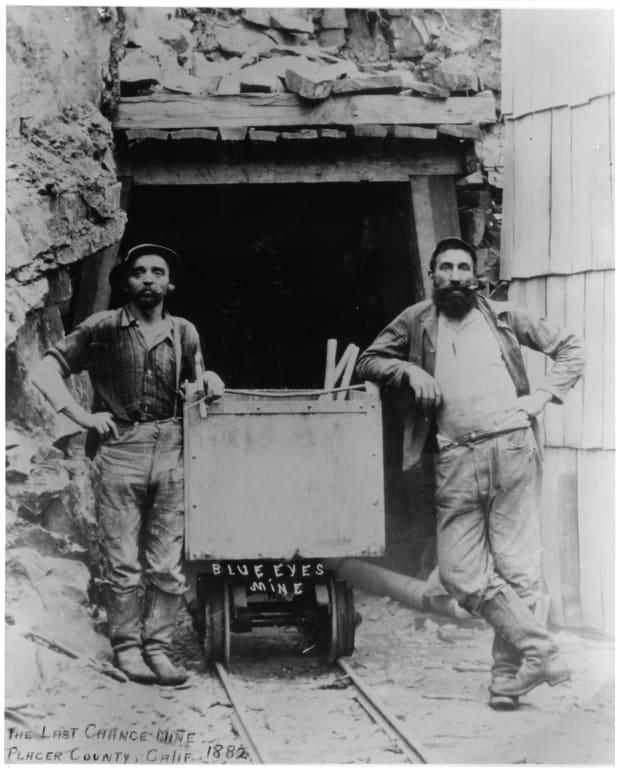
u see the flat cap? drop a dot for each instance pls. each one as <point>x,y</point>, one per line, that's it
<point>453,242</point>
<point>175,264</point>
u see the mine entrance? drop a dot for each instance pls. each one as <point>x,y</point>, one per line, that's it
<point>287,245</point>
<point>272,271</point>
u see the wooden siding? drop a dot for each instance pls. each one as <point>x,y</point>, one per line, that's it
<point>555,57</point>
<point>584,304</point>
<point>558,188</point>
<point>558,252</point>
<point>578,536</point>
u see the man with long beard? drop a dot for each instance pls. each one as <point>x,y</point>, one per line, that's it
<point>459,356</point>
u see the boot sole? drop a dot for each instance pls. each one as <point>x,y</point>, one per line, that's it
<point>504,703</point>
<point>148,678</point>
<point>552,680</point>
<point>144,679</point>
<point>171,682</point>
<point>141,680</point>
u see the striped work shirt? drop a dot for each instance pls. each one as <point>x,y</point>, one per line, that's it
<point>131,379</point>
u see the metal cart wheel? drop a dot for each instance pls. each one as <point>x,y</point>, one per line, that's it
<point>342,620</point>
<point>217,622</point>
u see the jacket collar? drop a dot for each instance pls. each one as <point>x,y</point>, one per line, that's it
<point>489,308</point>
<point>494,309</point>
<point>428,319</point>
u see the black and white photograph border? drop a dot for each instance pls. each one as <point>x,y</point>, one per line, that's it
<point>253,500</point>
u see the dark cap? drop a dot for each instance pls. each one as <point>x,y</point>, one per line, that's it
<point>174,262</point>
<point>452,242</point>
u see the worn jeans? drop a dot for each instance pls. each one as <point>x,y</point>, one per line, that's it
<point>140,491</point>
<point>488,518</point>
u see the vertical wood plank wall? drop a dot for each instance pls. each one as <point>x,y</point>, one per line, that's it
<point>558,253</point>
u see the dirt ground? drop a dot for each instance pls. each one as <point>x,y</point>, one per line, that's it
<point>431,672</point>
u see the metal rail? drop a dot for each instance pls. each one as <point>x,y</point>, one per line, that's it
<point>383,717</point>
<point>256,754</point>
<point>411,750</point>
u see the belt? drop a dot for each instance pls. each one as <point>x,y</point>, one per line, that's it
<point>129,424</point>
<point>482,434</point>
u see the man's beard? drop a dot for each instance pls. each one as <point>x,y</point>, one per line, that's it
<point>454,301</point>
<point>148,299</point>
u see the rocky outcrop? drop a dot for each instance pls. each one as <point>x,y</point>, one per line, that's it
<point>62,200</point>
<point>62,206</point>
<point>460,50</point>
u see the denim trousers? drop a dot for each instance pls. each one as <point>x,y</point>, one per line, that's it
<point>140,496</point>
<point>488,518</point>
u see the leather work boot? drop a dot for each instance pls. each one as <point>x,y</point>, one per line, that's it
<point>161,611</point>
<point>541,660</point>
<point>123,610</point>
<point>506,663</point>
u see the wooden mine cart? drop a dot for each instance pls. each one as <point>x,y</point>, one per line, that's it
<point>279,485</point>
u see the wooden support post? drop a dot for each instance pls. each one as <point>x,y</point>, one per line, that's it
<point>434,215</point>
<point>94,290</point>
<point>126,185</point>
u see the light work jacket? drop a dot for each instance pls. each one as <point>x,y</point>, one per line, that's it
<point>410,340</point>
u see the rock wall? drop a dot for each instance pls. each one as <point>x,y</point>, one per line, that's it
<point>62,205</point>
<point>62,196</point>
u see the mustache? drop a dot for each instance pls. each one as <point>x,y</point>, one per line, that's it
<point>446,291</point>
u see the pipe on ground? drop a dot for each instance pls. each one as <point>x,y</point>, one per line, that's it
<point>374,579</point>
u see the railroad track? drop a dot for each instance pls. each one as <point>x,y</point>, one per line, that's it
<point>400,742</point>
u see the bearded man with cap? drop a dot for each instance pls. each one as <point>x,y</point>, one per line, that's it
<point>137,356</point>
<point>458,356</point>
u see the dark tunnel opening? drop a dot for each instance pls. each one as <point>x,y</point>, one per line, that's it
<point>272,271</point>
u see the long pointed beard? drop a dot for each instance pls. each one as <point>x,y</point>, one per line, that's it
<point>454,302</point>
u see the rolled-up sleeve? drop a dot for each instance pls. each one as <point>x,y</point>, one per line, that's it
<point>73,350</point>
<point>565,349</point>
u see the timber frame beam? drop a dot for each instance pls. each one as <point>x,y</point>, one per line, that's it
<point>278,168</point>
<point>173,111</point>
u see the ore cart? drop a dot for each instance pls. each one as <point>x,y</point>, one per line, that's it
<point>280,485</point>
